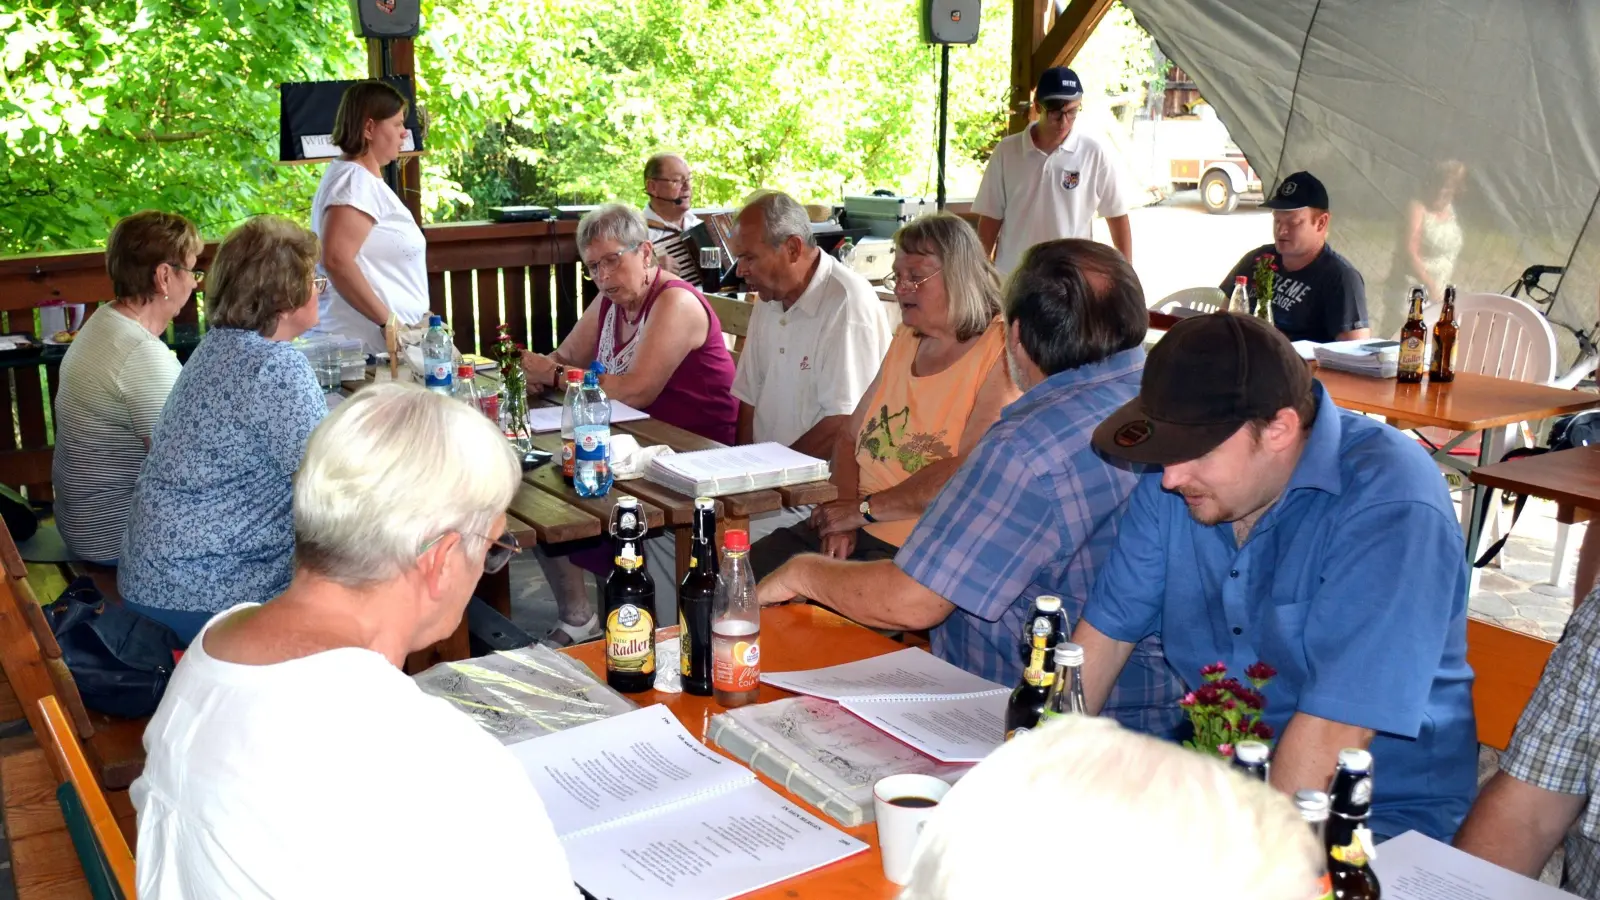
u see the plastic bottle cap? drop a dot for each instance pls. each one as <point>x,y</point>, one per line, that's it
<point>1251,751</point>
<point>704,503</point>
<point>1240,279</point>
<point>1047,603</point>
<point>435,321</point>
<point>465,370</point>
<point>574,376</point>
<point>597,367</point>
<point>1355,760</point>
<point>736,540</point>
<point>1310,801</point>
<point>1067,654</point>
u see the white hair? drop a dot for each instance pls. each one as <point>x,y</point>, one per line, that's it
<point>1119,814</point>
<point>612,221</point>
<point>782,216</point>
<point>389,470</point>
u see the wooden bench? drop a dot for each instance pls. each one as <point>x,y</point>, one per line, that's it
<point>1508,665</point>
<point>734,314</point>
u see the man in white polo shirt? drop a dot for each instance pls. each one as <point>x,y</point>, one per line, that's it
<point>1050,181</point>
<point>815,342</point>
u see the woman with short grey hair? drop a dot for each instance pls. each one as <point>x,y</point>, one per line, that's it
<point>289,731</point>
<point>662,349</point>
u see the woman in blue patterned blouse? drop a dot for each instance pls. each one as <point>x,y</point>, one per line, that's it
<point>210,525</point>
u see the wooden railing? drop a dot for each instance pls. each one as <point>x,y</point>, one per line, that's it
<point>480,275</point>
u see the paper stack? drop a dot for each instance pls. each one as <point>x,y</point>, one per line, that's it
<point>734,470</point>
<point>1372,358</point>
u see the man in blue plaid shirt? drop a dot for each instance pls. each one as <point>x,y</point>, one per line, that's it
<point>1034,510</point>
<point>1545,789</point>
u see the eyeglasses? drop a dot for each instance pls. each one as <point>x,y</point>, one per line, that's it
<point>683,182</point>
<point>894,283</point>
<point>499,554</point>
<point>320,284</point>
<point>1062,113</point>
<point>199,274</point>
<point>605,265</point>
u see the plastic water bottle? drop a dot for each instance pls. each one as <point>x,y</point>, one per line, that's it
<point>438,357</point>
<point>736,626</point>
<point>569,459</point>
<point>591,434</point>
<point>466,390</point>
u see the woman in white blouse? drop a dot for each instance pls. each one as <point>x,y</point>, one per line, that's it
<point>372,250</point>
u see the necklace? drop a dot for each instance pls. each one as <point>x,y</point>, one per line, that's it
<point>645,289</point>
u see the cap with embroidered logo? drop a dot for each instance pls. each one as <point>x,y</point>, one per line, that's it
<point>1059,83</point>
<point>1300,190</point>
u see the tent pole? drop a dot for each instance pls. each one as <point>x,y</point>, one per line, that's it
<point>944,113</point>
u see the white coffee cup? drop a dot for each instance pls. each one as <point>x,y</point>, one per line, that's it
<point>899,825</point>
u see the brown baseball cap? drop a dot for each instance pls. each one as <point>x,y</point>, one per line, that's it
<point>1203,381</point>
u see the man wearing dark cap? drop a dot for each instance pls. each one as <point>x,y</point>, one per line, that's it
<point>1285,530</point>
<point>1050,181</point>
<point>1317,295</point>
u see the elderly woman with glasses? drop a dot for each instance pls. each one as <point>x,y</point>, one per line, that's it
<point>662,347</point>
<point>940,387</point>
<point>210,524</point>
<point>291,756</point>
<point>115,380</point>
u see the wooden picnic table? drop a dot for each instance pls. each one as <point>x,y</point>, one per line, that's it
<point>1570,477</point>
<point>793,637</point>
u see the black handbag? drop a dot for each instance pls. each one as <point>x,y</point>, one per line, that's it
<point>120,660</point>
<point>1567,432</point>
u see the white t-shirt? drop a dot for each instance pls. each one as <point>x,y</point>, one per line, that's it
<point>393,257</point>
<point>115,380</point>
<point>331,776</point>
<point>1041,196</point>
<point>814,360</point>
<point>659,227</point>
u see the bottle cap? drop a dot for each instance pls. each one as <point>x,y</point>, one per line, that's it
<point>1240,279</point>
<point>1313,805</point>
<point>1355,760</point>
<point>1253,752</point>
<point>736,540</point>
<point>705,503</point>
<point>1069,654</point>
<point>597,367</point>
<point>465,370</point>
<point>627,501</point>
<point>1047,603</point>
<point>574,376</point>
<point>435,321</point>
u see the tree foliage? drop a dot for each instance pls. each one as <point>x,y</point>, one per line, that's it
<point>129,104</point>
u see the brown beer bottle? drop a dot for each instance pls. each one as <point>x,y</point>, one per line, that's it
<point>1313,806</point>
<point>1445,332</point>
<point>1347,838</point>
<point>1413,343</point>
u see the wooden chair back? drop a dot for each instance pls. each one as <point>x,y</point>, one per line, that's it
<point>734,315</point>
<point>102,850</point>
<point>1507,665</point>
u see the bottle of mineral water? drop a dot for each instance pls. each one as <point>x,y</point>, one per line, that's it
<point>438,357</point>
<point>591,435</point>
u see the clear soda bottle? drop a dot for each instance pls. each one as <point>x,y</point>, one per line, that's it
<point>591,435</point>
<point>736,626</point>
<point>568,404</point>
<point>438,357</point>
<point>1240,301</point>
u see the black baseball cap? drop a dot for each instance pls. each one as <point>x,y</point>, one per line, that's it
<point>1059,83</point>
<point>1202,382</point>
<point>1298,191</point>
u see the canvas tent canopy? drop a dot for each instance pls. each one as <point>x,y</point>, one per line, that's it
<point>1388,101</point>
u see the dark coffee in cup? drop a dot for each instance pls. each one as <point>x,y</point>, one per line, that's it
<point>913,802</point>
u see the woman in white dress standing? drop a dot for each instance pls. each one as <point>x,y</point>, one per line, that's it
<point>372,250</point>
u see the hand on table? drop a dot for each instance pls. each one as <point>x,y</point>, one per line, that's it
<point>541,369</point>
<point>773,589</point>
<point>837,517</point>
<point>840,545</point>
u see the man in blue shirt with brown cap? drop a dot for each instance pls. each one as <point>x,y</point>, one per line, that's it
<point>1285,530</point>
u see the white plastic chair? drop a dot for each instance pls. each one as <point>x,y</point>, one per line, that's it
<point>1504,337</point>
<point>1201,299</point>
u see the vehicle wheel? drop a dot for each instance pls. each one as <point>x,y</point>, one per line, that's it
<point>1217,193</point>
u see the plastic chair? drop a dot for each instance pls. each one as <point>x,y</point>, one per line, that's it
<point>102,850</point>
<point>1200,299</point>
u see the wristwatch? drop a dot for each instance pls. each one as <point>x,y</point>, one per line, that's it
<point>866,508</point>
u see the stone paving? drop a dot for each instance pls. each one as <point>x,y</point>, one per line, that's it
<point>1518,594</point>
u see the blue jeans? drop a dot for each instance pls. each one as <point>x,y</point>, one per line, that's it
<point>185,622</point>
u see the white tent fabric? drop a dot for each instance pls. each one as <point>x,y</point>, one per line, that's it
<point>1385,100</point>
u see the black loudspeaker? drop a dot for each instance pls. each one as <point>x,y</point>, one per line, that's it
<point>387,18</point>
<point>948,21</point>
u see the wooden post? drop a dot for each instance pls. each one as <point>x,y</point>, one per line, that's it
<point>1040,40</point>
<point>402,56</point>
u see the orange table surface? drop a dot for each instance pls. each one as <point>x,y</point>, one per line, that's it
<point>793,637</point>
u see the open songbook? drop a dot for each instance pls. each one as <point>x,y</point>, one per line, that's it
<point>916,697</point>
<point>734,470</point>
<point>644,810</point>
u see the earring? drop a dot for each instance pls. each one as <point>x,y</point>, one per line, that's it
<point>166,298</point>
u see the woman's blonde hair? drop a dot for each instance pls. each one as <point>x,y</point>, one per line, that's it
<point>389,470</point>
<point>971,282</point>
<point>1114,802</point>
<point>263,269</point>
<point>364,100</point>
<point>140,243</point>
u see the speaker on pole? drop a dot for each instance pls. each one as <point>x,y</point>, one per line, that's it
<point>950,21</point>
<point>387,18</point>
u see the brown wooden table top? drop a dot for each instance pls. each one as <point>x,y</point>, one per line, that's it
<point>1470,403</point>
<point>1569,477</point>
<point>793,637</point>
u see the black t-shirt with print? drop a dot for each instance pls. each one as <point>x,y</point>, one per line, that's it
<point>1317,303</point>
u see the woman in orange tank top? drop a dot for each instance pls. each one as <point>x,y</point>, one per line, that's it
<point>942,384</point>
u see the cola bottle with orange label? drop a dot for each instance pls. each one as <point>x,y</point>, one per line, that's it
<point>736,626</point>
<point>1313,806</point>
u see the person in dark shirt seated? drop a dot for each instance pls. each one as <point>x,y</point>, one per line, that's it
<point>1318,295</point>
